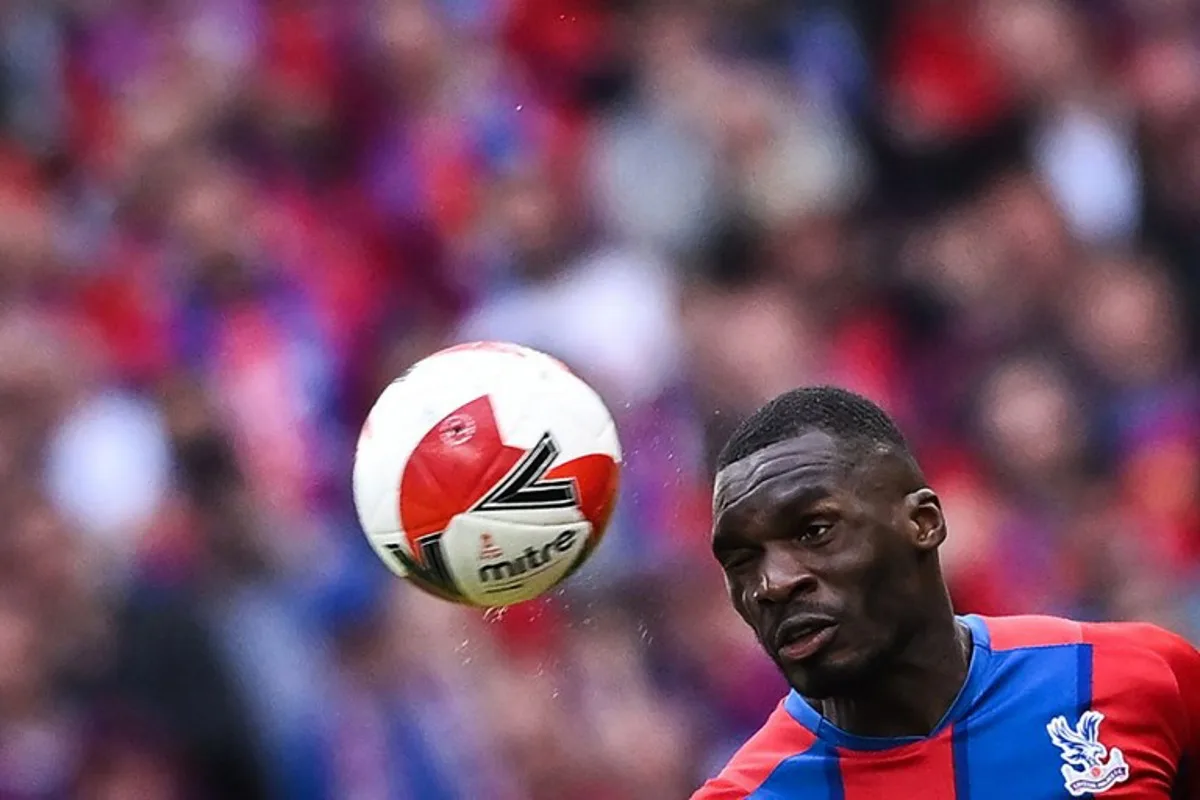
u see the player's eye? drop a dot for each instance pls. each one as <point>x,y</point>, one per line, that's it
<point>736,559</point>
<point>813,531</point>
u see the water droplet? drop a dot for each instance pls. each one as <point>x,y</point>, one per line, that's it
<point>495,614</point>
<point>554,694</point>
<point>520,107</point>
<point>467,661</point>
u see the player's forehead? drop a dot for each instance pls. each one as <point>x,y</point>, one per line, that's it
<point>808,465</point>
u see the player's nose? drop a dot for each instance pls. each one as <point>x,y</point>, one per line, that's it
<point>782,576</point>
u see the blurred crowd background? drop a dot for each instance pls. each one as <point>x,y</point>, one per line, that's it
<point>226,224</point>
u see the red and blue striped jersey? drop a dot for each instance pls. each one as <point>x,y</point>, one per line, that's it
<point>1050,709</point>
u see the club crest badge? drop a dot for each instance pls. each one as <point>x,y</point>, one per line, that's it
<point>1091,767</point>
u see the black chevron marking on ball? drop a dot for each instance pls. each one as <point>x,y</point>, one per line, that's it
<point>524,487</point>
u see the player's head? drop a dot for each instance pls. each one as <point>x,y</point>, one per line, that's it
<point>828,537</point>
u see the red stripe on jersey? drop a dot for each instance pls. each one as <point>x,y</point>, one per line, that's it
<point>1184,660</point>
<point>1014,633</point>
<point>923,769</point>
<point>1135,689</point>
<point>778,740</point>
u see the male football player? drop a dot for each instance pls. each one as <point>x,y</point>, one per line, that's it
<point>828,537</point>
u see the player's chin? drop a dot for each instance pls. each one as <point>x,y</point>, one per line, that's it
<point>827,675</point>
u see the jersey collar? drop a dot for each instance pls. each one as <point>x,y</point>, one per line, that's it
<point>977,671</point>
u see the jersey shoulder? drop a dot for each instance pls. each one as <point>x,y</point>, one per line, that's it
<point>1145,652</point>
<point>1152,661</point>
<point>1156,674</point>
<point>1031,631</point>
<point>1144,649</point>
<point>781,737</point>
<point>1176,651</point>
<point>1034,630</point>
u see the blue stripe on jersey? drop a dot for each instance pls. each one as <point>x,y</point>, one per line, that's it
<point>833,774</point>
<point>815,772</point>
<point>960,742</point>
<point>1029,688</point>
<point>1083,680</point>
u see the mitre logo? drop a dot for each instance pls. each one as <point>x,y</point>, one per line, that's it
<point>530,562</point>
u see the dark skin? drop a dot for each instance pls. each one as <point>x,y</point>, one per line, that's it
<point>829,550</point>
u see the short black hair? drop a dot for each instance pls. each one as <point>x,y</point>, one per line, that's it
<point>838,412</point>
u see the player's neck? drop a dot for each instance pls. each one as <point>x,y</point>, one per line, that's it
<point>914,690</point>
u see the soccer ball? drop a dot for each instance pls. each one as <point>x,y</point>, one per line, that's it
<point>486,474</point>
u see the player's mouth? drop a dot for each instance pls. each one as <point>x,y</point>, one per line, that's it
<point>799,638</point>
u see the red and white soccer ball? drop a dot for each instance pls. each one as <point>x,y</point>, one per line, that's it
<point>487,473</point>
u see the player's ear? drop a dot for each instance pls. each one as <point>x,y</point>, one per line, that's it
<point>927,524</point>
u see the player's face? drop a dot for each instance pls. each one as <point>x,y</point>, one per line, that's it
<point>822,557</point>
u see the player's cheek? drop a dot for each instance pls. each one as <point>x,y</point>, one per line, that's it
<point>879,589</point>
<point>743,602</point>
<point>742,594</point>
